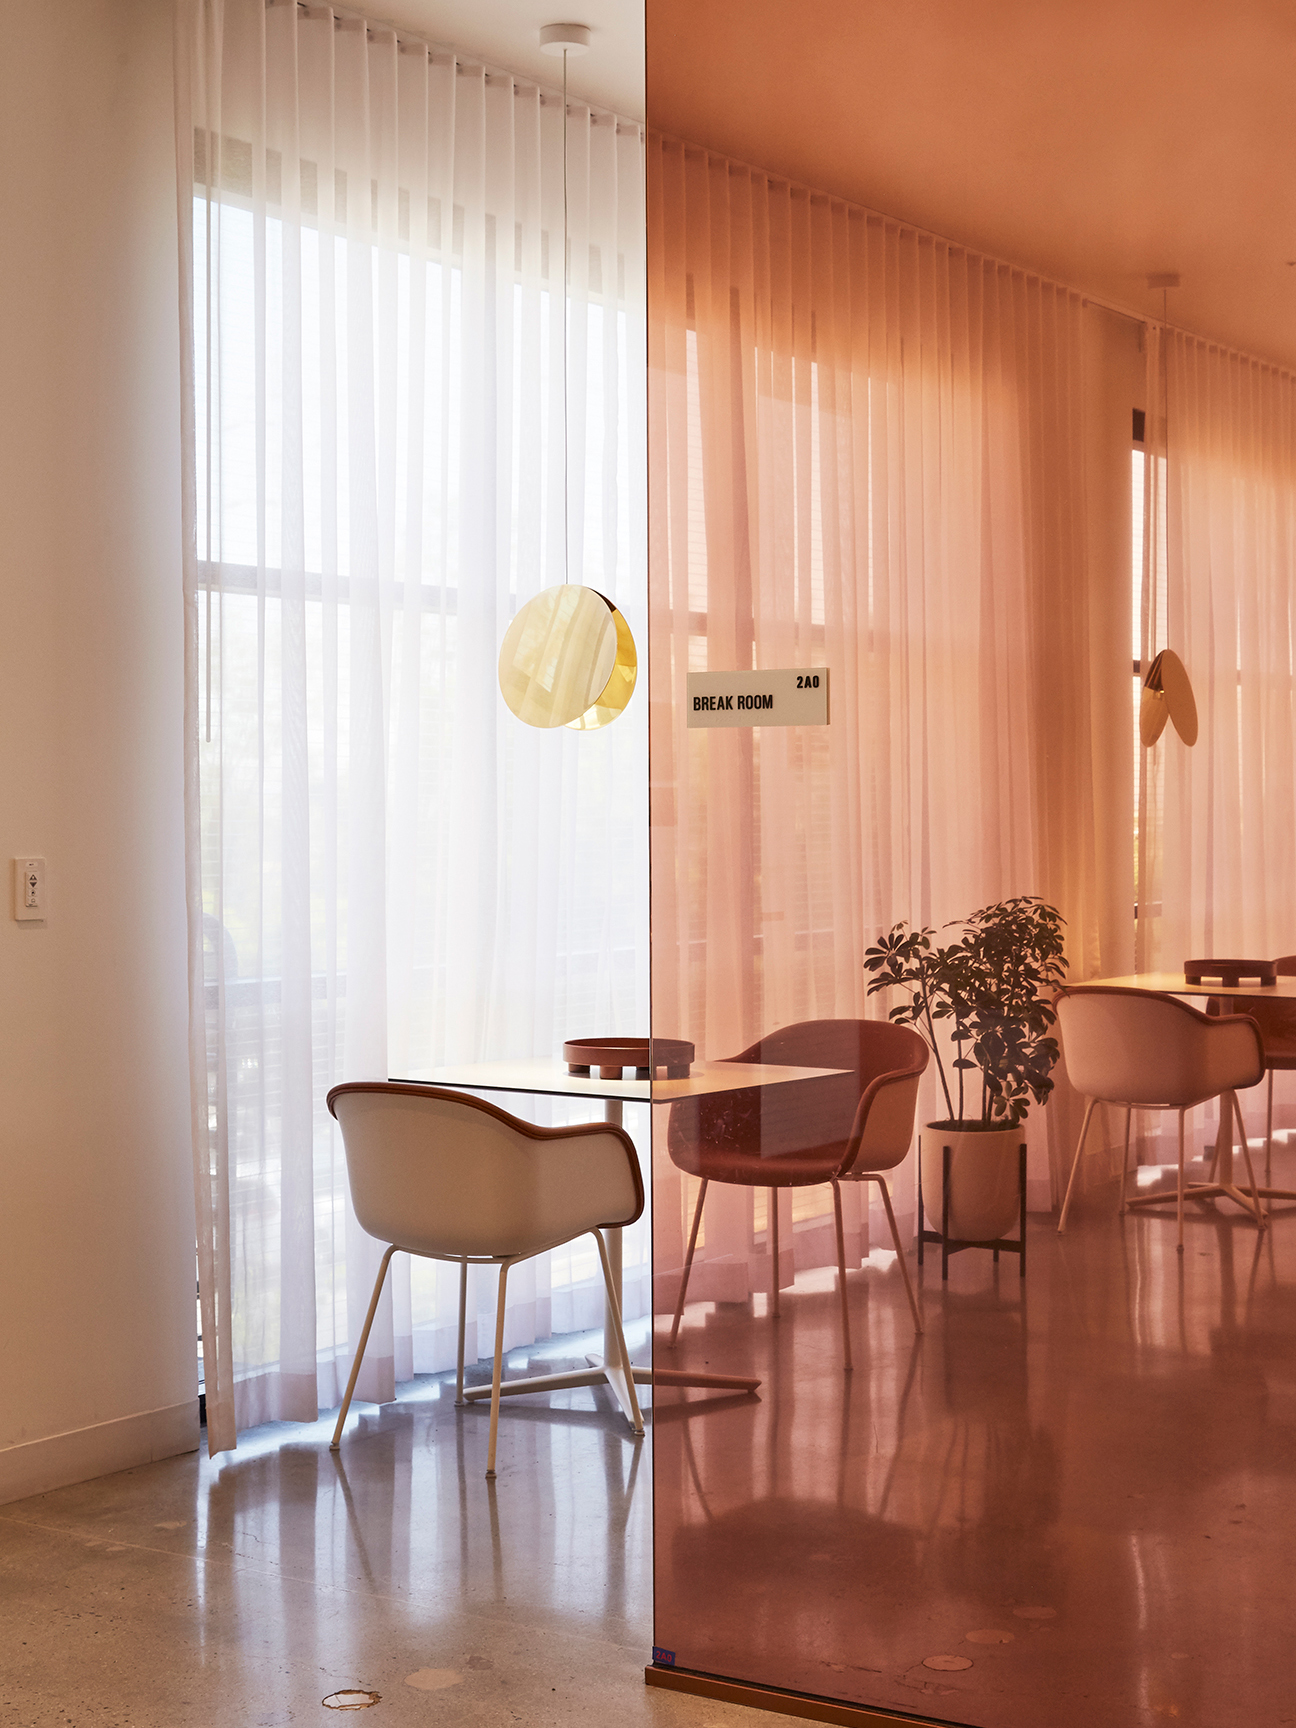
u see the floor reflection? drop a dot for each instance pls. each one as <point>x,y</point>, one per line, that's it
<point>1080,1486</point>
<point>399,1508</point>
<point>242,1590</point>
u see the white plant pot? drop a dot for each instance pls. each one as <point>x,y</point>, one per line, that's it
<point>985,1196</point>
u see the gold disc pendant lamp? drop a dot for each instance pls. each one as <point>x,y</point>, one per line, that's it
<point>568,658</point>
<point>1167,695</point>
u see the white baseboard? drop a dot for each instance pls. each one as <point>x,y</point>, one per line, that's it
<point>37,1466</point>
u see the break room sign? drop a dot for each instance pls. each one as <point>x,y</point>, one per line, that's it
<point>797,697</point>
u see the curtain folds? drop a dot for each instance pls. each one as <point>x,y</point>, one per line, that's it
<point>1228,840</point>
<point>868,452</point>
<point>386,871</point>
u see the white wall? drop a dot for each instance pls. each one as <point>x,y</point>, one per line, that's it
<point>97,1352</point>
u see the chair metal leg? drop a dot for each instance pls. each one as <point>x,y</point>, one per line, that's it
<point>1075,1164</point>
<point>460,1400</point>
<point>497,1370</point>
<point>1129,1111</point>
<point>774,1249</point>
<point>688,1263</point>
<point>336,1441</point>
<point>1269,1133</point>
<point>622,1351</point>
<point>1181,1174</point>
<point>841,1277</point>
<point>900,1254</point>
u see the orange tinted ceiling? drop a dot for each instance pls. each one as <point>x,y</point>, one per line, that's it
<point>1094,142</point>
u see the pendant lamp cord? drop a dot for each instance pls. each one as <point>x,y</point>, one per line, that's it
<point>566,445</point>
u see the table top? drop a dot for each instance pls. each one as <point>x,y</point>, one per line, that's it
<point>1173,984</point>
<point>544,1075</point>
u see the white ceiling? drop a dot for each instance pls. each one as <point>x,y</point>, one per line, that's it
<point>507,34</point>
<point>1098,141</point>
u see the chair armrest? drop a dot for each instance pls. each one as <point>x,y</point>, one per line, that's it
<point>883,1128</point>
<point>586,1159</point>
<point>1234,1050</point>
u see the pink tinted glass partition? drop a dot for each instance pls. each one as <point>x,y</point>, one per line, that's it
<point>772,1547</point>
<point>1069,1496</point>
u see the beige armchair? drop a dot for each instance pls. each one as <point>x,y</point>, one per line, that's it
<point>449,1177</point>
<point>850,1128</point>
<point>1141,1050</point>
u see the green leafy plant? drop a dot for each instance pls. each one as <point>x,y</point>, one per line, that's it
<point>994,985</point>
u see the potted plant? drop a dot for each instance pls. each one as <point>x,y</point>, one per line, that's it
<point>993,989</point>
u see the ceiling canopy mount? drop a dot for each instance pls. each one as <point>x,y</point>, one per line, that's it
<point>559,39</point>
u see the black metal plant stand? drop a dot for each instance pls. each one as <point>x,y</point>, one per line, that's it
<point>1004,1244</point>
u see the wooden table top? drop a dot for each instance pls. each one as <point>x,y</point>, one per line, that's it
<point>546,1076</point>
<point>1173,984</point>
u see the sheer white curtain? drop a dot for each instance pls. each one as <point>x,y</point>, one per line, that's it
<point>867,452</point>
<point>1221,873</point>
<point>385,870</point>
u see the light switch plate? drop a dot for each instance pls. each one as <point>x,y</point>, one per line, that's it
<point>29,890</point>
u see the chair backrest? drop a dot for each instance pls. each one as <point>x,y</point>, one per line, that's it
<point>1142,1047</point>
<point>884,1123</point>
<point>445,1174</point>
<point>829,1117</point>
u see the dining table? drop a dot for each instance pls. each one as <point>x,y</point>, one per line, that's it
<point>1177,984</point>
<point>546,1077</point>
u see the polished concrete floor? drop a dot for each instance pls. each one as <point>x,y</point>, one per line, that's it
<point>240,1593</point>
<point>1070,1502</point>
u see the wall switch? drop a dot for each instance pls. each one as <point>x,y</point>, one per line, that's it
<point>29,890</point>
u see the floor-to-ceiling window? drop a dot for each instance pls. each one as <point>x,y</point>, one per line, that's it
<point>399,422</point>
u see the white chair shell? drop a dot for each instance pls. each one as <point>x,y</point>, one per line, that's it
<point>448,1176</point>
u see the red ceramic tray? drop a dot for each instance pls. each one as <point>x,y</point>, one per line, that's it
<point>646,1057</point>
<point>1231,973</point>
